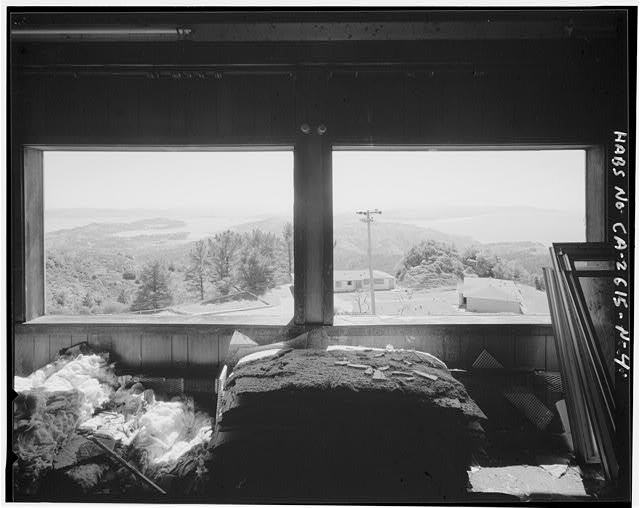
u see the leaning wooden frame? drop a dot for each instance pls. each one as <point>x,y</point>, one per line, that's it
<point>583,360</point>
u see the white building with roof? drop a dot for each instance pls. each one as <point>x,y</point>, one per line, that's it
<point>487,295</point>
<point>346,281</point>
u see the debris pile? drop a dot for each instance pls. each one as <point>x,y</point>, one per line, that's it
<point>79,429</point>
<point>343,424</point>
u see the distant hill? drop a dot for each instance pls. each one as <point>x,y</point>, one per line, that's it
<point>389,242</point>
<point>531,255</point>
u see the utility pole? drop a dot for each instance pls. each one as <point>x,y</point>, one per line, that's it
<point>369,219</point>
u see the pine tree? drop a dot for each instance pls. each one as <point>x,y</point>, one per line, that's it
<point>198,270</point>
<point>256,270</point>
<point>223,254</point>
<point>154,292</point>
<point>287,235</point>
<point>123,297</point>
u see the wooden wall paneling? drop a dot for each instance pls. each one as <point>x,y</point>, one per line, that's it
<point>530,352</point>
<point>361,106</point>
<point>177,99</point>
<point>201,107</point>
<point>101,340</point>
<point>551,355</point>
<point>65,108</point>
<point>127,349</point>
<point>203,353</point>
<point>123,111</point>
<point>452,350</point>
<point>226,107</point>
<point>15,254</point>
<point>386,105</point>
<point>472,344</point>
<point>41,350</point>
<point>500,344</point>
<point>432,341</point>
<point>243,119</point>
<point>282,110</point>
<point>58,341</point>
<point>342,112</point>
<point>79,336</point>
<point>23,354</point>
<point>432,90</point>
<point>155,350</point>
<point>180,350</point>
<point>412,107</point>
<point>35,104</point>
<point>154,114</point>
<point>263,91</point>
<point>33,199</point>
<point>96,104</point>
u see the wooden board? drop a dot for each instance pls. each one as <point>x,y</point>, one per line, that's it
<point>156,351</point>
<point>180,350</point>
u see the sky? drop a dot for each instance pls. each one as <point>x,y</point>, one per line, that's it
<point>262,182</point>
<point>412,179</point>
<point>254,182</point>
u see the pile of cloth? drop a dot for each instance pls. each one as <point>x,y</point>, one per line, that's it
<point>343,424</point>
<point>74,418</point>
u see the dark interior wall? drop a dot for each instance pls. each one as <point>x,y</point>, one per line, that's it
<point>200,350</point>
<point>534,92</point>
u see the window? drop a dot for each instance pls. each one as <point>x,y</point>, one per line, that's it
<point>204,235</point>
<point>459,232</point>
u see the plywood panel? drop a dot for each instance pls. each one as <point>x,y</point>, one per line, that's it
<point>78,337</point>
<point>180,350</point>
<point>100,340</point>
<point>41,351</point>
<point>156,350</point>
<point>203,351</point>
<point>431,342</point>
<point>123,108</point>
<point>551,362</point>
<point>127,349</point>
<point>154,110</point>
<point>23,353</point>
<point>452,351</point>
<point>530,352</point>
<point>201,109</point>
<point>500,344</point>
<point>282,109</point>
<point>58,341</point>
<point>472,345</point>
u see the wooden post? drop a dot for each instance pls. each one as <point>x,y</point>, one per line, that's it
<point>313,229</point>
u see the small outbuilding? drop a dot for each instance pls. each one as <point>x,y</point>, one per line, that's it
<point>346,281</point>
<point>480,294</point>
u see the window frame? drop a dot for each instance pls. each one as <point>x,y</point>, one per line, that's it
<point>595,174</point>
<point>33,208</point>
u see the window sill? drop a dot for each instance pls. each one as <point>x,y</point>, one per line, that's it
<point>160,320</point>
<point>339,320</point>
<point>495,319</point>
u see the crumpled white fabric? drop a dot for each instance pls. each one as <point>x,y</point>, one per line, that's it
<point>87,374</point>
<point>170,429</point>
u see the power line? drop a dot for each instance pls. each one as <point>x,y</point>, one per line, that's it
<point>369,219</point>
